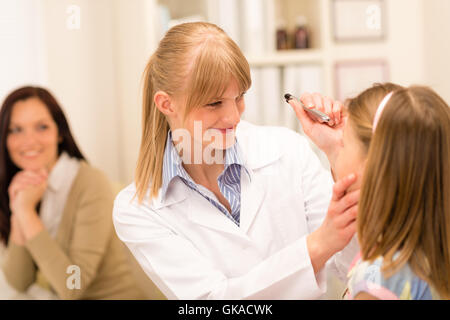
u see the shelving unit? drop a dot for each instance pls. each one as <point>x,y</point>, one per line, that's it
<point>323,51</point>
<point>286,57</point>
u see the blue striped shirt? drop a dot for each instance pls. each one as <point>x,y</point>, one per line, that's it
<point>229,181</point>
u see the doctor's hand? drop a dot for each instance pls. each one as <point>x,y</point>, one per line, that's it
<point>326,136</point>
<point>339,225</point>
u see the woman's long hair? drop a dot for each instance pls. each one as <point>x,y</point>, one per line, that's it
<point>404,211</point>
<point>200,54</point>
<point>7,168</point>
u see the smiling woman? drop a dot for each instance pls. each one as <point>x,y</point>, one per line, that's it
<point>252,225</point>
<point>32,143</point>
<point>34,132</point>
<point>55,209</point>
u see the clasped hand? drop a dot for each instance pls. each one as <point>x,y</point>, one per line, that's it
<point>25,191</point>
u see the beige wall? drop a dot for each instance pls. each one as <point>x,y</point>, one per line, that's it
<point>405,40</point>
<point>134,43</point>
<point>96,74</point>
<point>22,55</point>
<point>81,73</point>
<point>437,46</point>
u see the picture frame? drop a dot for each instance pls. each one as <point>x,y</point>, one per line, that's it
<point>358,20</point>
<point>354,76</point>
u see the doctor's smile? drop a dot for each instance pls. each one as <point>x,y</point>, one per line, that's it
<point>226,130</point>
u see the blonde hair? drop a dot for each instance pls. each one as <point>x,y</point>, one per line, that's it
<point>197,60</point>
<point>405,195</point>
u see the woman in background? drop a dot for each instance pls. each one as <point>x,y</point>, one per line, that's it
<point>55,209</point>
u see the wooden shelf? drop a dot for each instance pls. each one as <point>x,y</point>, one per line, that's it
<point>287,57</point>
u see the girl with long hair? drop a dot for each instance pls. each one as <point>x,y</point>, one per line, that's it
<point>399,139</point>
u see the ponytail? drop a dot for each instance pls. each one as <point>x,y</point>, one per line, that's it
<point>193,59</point>
<point>153,141</point>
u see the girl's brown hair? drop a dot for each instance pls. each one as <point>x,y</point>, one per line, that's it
<point>361,110</point>
<point>194,60</point>
<point>404,210</point>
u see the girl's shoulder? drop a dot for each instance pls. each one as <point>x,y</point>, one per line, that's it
<point>367,277</point>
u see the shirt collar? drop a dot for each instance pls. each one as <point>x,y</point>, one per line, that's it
<point>57,174</point>
<point>172,165</point>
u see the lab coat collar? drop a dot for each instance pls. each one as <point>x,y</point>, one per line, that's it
<point>200,211</point>
<point>172,164</point>
<point>204,213</point>
<point>175,193</point>
<point>253,141</point>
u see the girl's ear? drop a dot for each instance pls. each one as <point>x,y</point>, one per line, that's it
<point>164,103</point>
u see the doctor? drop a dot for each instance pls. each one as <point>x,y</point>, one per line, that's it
<point>221,208</point>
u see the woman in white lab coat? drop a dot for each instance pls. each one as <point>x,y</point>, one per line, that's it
<point>221,208</point>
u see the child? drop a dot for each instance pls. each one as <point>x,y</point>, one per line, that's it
<point>403,222</point>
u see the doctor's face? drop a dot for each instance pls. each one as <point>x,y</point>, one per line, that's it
<point>351,157</point>
<point>214,124</point>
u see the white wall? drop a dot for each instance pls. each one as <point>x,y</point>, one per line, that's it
<point>22,55</point>
<point>81,74</point>
<point>402,47</point>
<point>134,44</point>
<point>406,27</point>
<point>437,46</point>
<point>94,71</point>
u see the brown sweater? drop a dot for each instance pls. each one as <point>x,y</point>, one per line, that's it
<point>85,238</point>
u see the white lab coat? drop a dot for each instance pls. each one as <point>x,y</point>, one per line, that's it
<point>193,251</point>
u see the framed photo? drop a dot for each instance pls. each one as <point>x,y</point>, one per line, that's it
<point>352,77</point>
<point>358,20</point>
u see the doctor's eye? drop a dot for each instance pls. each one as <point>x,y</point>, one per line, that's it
<point>214,104</point>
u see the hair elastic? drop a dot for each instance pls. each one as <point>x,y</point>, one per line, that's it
<point>380,109</point>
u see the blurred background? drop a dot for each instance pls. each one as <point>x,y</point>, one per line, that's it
<point>91,54</point>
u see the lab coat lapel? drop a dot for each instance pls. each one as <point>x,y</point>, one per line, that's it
<point>253,187</point>
<point>253,141</point>
<point>175,193</point>
<point>252,196</point>
<point>202,212</point>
